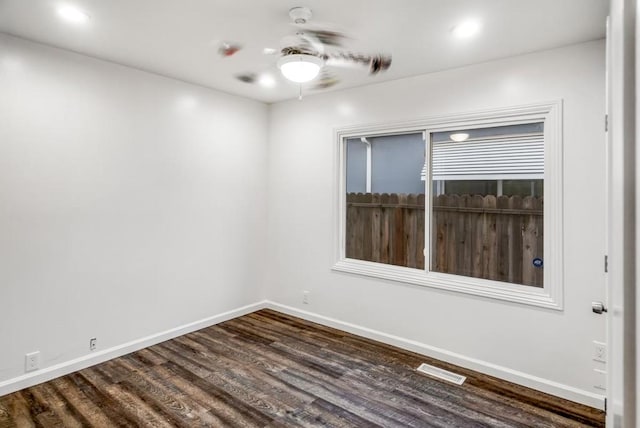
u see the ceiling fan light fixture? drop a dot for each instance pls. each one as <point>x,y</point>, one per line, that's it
<point>300,68</point>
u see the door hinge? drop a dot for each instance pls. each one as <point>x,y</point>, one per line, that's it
<point>606,263</point>
<point>606,123</point>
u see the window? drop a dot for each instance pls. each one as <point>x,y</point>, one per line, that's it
<point>479,230</point>
<point>385,199</point>
<point>457,203</point>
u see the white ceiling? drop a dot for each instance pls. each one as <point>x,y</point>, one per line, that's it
<point>180,38</point>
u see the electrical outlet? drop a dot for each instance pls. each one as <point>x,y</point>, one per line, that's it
<point>599,351</point>
<point>600,379</point>
<point>32,361</point>
<point>93,342</point>
<point>305,297</point>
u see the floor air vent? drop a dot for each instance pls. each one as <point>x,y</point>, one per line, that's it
<point>441,374</point>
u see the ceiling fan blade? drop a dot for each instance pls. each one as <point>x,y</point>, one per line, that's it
<point>376,63</point>
<point>333,61</point>
<point>326,37</point>
<point>301,43</point>
<point>379,63</point>
<point>227,49</point>
<point>313,41</point>
<point>326,80</point>
<point>299,50</point>
<point>247,77</point>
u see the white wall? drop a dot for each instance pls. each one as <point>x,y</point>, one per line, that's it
<point>130,203</point>
<point>545,345</point>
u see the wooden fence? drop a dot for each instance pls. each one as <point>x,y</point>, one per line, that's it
<point>480,236</point>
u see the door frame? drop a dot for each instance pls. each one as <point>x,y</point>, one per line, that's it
<point>621,216</point>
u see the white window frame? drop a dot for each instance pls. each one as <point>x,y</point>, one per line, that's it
<point>551,294</point>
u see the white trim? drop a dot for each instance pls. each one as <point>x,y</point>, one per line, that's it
<point>510,375</point>
<point>479,119</point>
<point>551,296</point>
<point>533,296</point>
<point>520,378</point>
<point>428,196</point>
<point>67,367</point>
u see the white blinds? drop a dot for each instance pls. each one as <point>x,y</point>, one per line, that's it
<point>510,157</point>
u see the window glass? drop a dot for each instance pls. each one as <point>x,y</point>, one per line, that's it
<point>470,187</point>
<point>487,204</point>
<point>385,200</point>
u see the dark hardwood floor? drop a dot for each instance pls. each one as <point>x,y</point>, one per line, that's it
<point>267,369</point>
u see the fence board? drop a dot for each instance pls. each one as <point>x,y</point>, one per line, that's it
<point>462,238</point>
<point>420,233</point>
<point>529,242</point>
<point>440,222</point>
<point>365,218</point>
<point>411,230</point>
<point>376,240</point>
<point>483,237</point>
<point>397,256</point>
<point>515,244</point>
<point>386,230</point>
<point>478,237</point>
<point>451,217</point>
<point>540,235</point>
<point>502,232</point>
<point>490,265</point>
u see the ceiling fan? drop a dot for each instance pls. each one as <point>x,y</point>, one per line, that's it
<point>311,53</point>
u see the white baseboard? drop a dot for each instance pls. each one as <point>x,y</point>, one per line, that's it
<point>64,368</point>
<point>520,378</point>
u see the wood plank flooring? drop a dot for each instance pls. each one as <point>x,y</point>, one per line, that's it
<point>267,369</point>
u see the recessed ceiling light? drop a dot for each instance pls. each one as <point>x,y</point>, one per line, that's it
<point>72,14</point>
<point>269,51</point>
<point>459,136</point>
<point>466,29</point>
<point>267,81</point>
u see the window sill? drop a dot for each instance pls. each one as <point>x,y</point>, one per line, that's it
<point>478,287</point>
